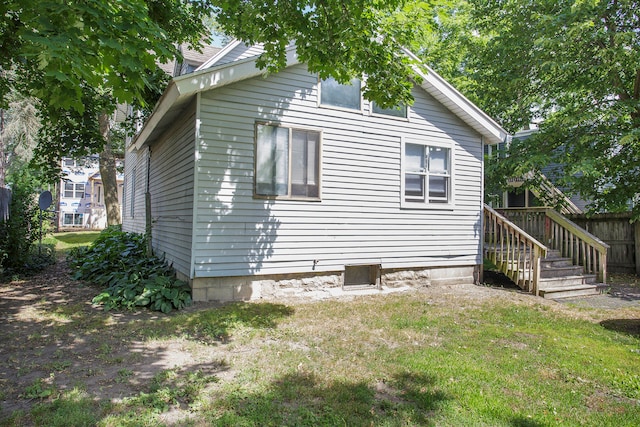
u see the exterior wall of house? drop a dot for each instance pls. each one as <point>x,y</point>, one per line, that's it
<point>359,219</point>
<point>171,162</point>
<point>171,185</point>
<point>81,195</point>
<point>135,184</point>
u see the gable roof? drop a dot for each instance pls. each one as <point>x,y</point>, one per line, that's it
<point>219,72</point>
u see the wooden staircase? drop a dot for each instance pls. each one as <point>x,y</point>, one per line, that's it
<point>571,263</point>
<point>560,278</point>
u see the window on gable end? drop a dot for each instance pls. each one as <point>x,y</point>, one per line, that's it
<point>427,175</point>
<point>339,95</point>
<point>398,111</point>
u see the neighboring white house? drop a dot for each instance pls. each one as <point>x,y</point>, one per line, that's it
<point>263,186</point>
<point>81,197</point>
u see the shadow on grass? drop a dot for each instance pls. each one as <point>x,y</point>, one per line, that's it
<point>55,338</point>
<point>214,325</point>
<point>627,326</point>
<point>303,399</point>
<point>525,422</point>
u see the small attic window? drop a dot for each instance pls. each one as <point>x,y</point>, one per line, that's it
<point>336,94</point>
<point>398,111</point>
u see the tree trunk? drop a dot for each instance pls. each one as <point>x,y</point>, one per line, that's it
<point>3,166</point>
<point>108,173</point>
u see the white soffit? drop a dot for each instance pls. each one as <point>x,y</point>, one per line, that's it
<point>181,89</point>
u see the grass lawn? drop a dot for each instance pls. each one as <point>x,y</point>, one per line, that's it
<point>66,240</point>
<point>467,356</point>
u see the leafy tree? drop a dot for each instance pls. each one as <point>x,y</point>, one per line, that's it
<point>22,229</point>
<point>574,65</point>
<point>80,59</point>
<point>19,125</point>
<point>338,38</point>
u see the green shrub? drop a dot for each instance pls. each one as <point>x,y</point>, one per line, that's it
<point>19,252</point>
<point>117,261</point>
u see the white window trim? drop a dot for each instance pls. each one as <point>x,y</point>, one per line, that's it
<point>335,107</point>
<point>290,128</point>
<point>410,204</point>
<point>73,216</point>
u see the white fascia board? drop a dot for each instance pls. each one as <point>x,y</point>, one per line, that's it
<point>165,102</point>
<point>459,104</point>
<point>188,85</point>
<point>221,54</point>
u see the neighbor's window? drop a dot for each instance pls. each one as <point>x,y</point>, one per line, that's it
<point>287,162</point>
<point>339,95</point>
<point>399,111</point>
<point>72,219</point>
<point>74,190</point>
<point>427,174</point>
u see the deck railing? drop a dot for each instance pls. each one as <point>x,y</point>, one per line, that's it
<point>512,250</point>
<point>563,235</point>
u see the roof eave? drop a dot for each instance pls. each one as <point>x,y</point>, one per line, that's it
<point>457,103</point>
<point>182,88</point>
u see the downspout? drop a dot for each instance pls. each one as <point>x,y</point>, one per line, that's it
<point>480,275</point>
<point>147,202</point>
<point>196,186</point>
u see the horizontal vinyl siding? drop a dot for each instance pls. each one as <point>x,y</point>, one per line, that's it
<point>135,173</point>
<point>171,188</point>
<point>359,219</point>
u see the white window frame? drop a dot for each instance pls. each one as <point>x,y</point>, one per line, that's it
<point>289,162</point>
<point>73,216</point>
<point>75,192</point>
<point>338,107</point>
<point>426,203</point>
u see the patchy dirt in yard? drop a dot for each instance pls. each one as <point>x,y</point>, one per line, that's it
<point>50,343</point>
<point>51,336</point>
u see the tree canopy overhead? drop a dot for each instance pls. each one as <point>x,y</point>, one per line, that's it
<point>59,47</point>
<point>573,66</point>
<point>78,59</point>
<point>338,38</point>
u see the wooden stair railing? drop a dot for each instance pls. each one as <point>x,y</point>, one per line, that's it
<point>560,233</point>
<point>545,191</point>
<point>513,251</point>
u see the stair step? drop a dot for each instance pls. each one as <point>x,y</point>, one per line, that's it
<point>556,282</point>
<point>556,262</point>
<point>563,271</point>
<point>569,291</point>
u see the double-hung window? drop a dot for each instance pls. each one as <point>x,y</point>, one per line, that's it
<point>427,175</point>
<point>287,162</point>
<point>74,190</point>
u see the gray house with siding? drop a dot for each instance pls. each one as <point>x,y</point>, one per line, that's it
<point>256,187</point>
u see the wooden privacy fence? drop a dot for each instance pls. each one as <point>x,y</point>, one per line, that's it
<point>559,233</point>
<point>512,250</point>
<point>620,233</point>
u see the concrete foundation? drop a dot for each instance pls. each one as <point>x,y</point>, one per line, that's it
<point>245,288</point>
